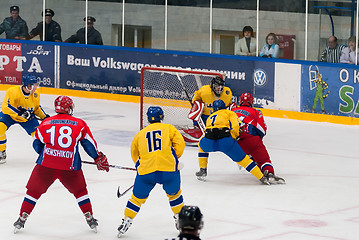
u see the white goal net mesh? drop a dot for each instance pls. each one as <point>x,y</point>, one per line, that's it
<point>172,90</point>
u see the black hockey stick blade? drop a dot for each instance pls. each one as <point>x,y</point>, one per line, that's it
<point>121,194</point>
<point>118,192</point>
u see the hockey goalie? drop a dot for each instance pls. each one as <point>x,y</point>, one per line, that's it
<point>202,107</point>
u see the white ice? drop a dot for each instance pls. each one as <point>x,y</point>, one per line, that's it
<point>320,200</point>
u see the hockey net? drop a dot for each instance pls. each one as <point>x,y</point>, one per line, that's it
<point>172,90</point>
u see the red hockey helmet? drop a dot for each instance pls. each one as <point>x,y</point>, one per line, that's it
<point>64,104</point>
<point>246,99</point>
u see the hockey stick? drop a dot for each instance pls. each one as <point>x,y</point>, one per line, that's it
<point>113,166</point>
<point>121,194</point>
<point>200,122</point>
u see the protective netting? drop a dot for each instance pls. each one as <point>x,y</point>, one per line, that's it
<point>172,90</point>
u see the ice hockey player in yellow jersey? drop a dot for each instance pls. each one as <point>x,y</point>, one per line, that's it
<point>222,130</point>
<point>20,106</point>
<point>202,106</point>
<point>210,93</point>
<point>155,150</point>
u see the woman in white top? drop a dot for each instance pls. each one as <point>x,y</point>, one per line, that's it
<point>348,53</point>
<point>246,46</point>
<point>271,49</point>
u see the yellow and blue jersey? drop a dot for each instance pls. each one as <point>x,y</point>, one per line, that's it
<point>15,99</point>
<point>206,95</point>
<point>224,119</point>
<point>157,147</point>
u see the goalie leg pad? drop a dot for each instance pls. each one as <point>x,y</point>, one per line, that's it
<point>196,110</point>
<point>192,135</point>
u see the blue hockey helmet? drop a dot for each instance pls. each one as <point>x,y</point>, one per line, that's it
<point>29,79</point>
<point>218,105</point>
<point>155,114</point>
<point>190,217</point>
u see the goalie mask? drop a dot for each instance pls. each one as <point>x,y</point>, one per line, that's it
<point>246,99</point>
<point>64,104</point>
<point>190,218</point>
<point>155,114</point>
<point>217,85</point>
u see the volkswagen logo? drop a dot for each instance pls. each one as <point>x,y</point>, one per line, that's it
<point>260,77</point>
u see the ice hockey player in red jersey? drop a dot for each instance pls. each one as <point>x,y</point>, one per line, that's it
<point>57,143</point>
<point>253,130</point>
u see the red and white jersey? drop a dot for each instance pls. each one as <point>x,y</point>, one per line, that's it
<point>252,121</point>
<point>57,142</point>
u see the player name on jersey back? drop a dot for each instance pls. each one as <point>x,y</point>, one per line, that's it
<point>58,153</point>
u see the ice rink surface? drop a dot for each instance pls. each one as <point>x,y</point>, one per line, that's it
<point>320,201</point>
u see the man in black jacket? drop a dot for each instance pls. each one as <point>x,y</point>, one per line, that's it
<point>93,36</point>
<point>52,28</point>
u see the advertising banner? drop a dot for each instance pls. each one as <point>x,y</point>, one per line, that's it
<point>118,70</point>
<point>263,78</point>
<point>330,90</point>
<point>18,59</point>
<point>10,63</point>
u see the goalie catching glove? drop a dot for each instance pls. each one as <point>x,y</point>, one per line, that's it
<point>102,163</point>
<point>196,110</point>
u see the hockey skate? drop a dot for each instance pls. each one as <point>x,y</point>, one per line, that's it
<point>125,225</point>
<point>273,179</point>
<point>91,221</point>
<point>20,222</point>
<point>176,221</point>
<point>264,180</point>
<point>202,174</point>
<point>3,157</point>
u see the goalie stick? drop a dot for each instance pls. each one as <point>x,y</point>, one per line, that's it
<point>200,122</point>
<point>112,166</point>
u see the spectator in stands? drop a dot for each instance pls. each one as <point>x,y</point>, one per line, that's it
<point>246,46</point>
<point>271,49</point>
<point>14,26</point>
<point>52,28</point>
<point>348,53</point>
<point>333,51</point>
<point>93,36</point>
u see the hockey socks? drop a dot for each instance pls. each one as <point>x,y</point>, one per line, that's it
<point>251,167</point>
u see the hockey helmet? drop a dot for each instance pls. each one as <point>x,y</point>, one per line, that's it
<point>64,104</point>
<point>29,79</point>
<point>246,99</point>
<point>218,105</point>
<point>155,114</point>
<point>190,217</point>
<point>217,85</point>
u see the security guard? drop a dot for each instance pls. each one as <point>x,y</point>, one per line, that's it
<point>52,28</point>
<point>93,36</point>
<point>14,27</point>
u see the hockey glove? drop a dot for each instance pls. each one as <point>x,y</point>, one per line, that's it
<point>102,163</point>
<point>196,110</point>
<point>27,114</point>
